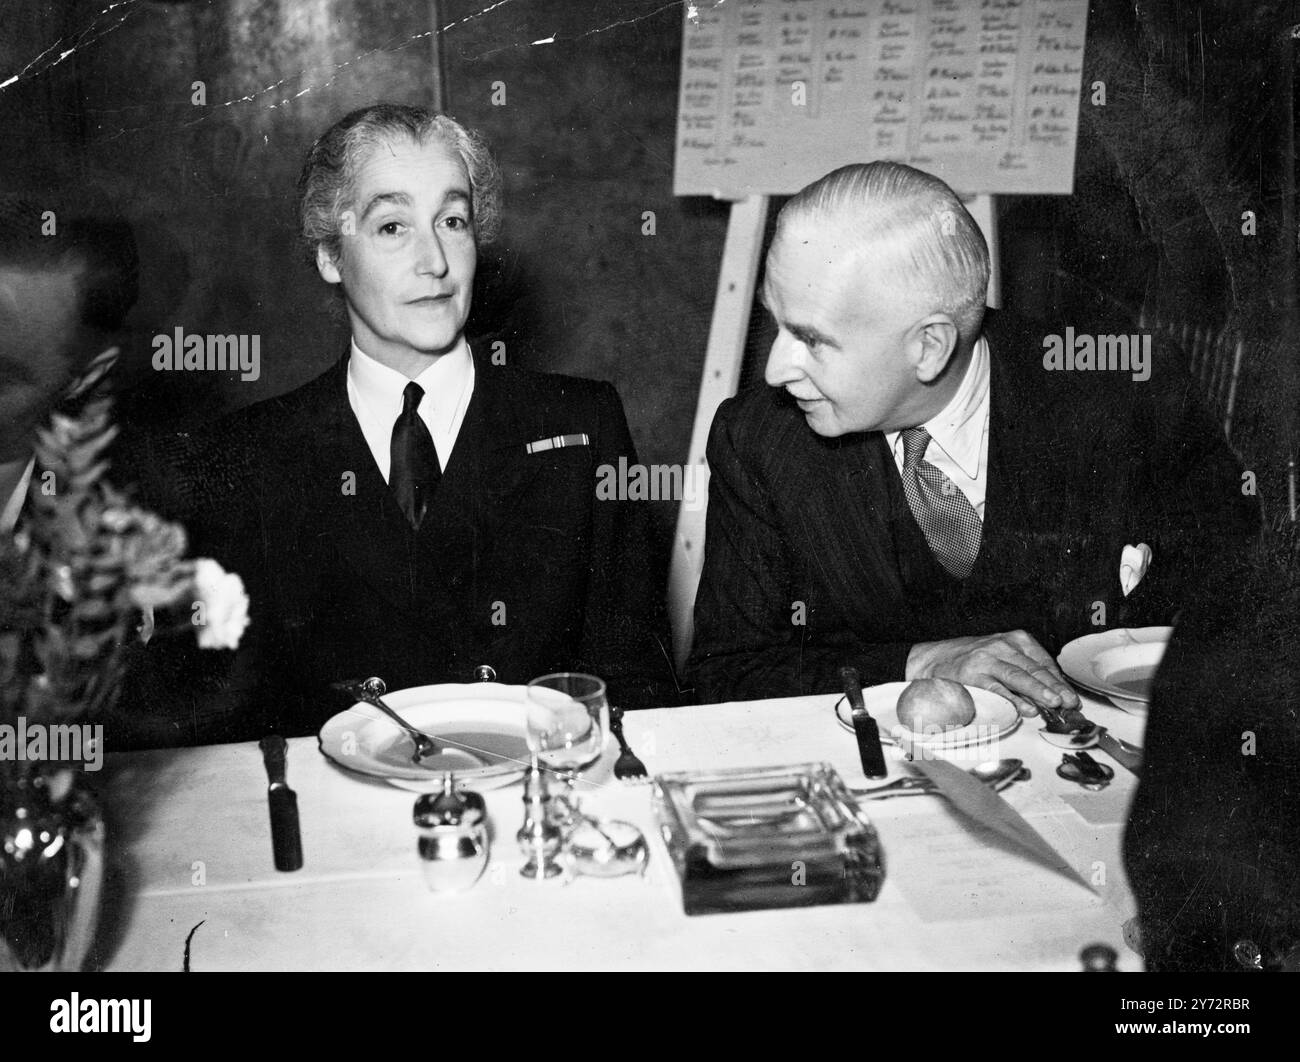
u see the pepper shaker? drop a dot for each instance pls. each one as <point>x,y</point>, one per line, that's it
<point>539,837</point>
<point>454,844</point>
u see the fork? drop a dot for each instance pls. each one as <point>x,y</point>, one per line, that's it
<point>628,766</point>
<point>372,691</point>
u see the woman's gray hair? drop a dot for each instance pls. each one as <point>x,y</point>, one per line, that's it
<point>326,186</point>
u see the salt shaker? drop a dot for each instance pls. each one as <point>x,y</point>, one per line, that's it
<point>454,843</point>
<point>539,838</point>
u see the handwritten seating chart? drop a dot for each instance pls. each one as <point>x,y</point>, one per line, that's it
<point>983,93</point>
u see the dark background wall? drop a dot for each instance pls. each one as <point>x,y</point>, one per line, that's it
<point>1197,128</point>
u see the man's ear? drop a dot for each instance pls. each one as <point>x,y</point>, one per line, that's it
<point>91,376</point>
<point>326,266</point>
<point>938,336</point>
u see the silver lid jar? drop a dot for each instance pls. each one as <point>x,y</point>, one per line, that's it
<point>454,843</point>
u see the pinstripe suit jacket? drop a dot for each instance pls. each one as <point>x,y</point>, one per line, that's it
<point>813,560</point>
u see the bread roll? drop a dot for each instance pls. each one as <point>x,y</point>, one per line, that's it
<point>935,704</point>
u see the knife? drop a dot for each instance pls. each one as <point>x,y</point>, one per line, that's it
<point>286,843</point>
<point>1129,757</point>
<point>1080,732</point>
<point>979,802</point>
<point>864,727</point>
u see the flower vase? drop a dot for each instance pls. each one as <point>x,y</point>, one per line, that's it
<point>51,871</point>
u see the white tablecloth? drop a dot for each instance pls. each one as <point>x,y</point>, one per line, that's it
<point>192,845</point>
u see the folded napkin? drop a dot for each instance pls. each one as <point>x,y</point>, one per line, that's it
<point>1133,564</point>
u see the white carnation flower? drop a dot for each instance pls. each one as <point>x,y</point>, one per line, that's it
<point>225,605</point>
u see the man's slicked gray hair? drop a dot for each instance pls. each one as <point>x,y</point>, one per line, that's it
<point>326,186</point>
<point>914,223</point>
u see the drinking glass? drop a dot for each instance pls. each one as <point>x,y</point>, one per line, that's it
<point>566,729</point>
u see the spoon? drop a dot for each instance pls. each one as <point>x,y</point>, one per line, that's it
<point>996,773</point>
<point>1067,728</point>
<point>372,691</point>
<point>1093,736</point>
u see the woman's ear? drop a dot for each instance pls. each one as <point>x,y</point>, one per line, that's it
<point>326,266</point>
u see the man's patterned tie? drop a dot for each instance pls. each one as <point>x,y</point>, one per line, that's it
<point>945,516</point>
<point>415,469</point>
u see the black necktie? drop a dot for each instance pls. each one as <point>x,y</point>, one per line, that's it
<point>945,516</point>
<point>415,470</point>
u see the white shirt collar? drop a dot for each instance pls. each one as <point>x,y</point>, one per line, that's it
<point>375,394</point>
<point>443,381</point>
<point>957,429</point>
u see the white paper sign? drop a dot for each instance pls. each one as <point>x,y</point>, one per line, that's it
<point>983,93</point>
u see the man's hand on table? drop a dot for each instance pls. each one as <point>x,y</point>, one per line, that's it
<point>1012,665</point>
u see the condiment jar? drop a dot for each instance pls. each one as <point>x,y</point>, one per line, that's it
<point>454,843</point>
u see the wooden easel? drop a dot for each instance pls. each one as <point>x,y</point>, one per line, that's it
<point>723,359</point>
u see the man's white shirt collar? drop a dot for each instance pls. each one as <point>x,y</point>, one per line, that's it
<point>375,395</point>
<point>959,434</point>
<point>958,430</point>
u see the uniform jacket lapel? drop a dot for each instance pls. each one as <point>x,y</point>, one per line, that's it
<point>356,509</point>
<point>488,465</point>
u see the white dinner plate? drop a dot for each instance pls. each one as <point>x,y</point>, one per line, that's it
<point>1117,664</point>
<point>487,718</point>
<point>995,717</point>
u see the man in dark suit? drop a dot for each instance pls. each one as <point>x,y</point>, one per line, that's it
<point>920,491</point>
<point>420,512</point>
<point>66,284</point>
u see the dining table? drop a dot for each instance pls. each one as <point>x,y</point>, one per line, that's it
<point>192,885</point>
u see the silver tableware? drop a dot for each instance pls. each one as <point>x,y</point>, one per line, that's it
<point>539,837</point>
<point>996,773</point>
<point>865,729</point>
<point>372,691</point>
<point>454,843</point>
<point>628,766</point>
<point>1068,728</point>
<point>606,848</point>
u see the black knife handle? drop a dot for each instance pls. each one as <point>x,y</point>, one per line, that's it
<point>286,841</point>
<point>852,683</point>
<point>865,728</point>
<point>869,749</point>
<point>274,750</point>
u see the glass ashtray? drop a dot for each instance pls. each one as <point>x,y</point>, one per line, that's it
<point>766,837</point>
